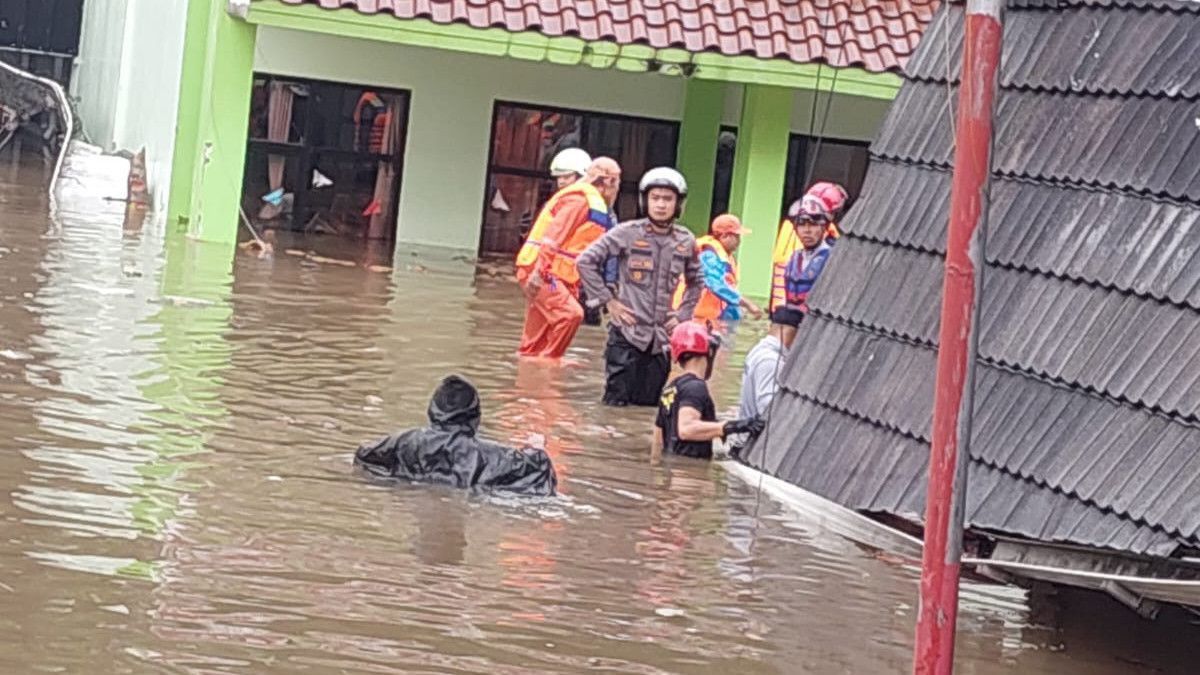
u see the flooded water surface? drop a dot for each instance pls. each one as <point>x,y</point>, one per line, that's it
<point>178,496</point>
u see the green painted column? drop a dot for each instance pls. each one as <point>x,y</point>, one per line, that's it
<point>211,124</point>
<point>759,167</point>
<point>703,103</point>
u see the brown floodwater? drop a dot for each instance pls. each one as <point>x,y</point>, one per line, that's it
<point>177,491</point>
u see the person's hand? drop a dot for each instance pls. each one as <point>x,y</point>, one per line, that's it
<point>671,324</point>
<point>619,313</point>
<point>534,285</point>
<point>754,310</point>
<point>749,425</point>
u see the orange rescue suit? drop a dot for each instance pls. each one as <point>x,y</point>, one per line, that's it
<point>710,306</point>
<point>571,220</point>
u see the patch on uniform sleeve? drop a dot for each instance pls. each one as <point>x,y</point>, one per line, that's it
<point>682,248</point>
<point>668,397</point>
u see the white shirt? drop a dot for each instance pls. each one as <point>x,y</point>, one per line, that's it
<point>758,377</point>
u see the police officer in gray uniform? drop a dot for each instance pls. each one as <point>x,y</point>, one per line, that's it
<point>652,254</point>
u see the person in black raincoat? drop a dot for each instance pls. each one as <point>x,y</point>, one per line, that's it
<point>447,452</point>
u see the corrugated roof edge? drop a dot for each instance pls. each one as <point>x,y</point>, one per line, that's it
<point>1080,91</point>
<point>1180,537</point>
<point>937,30</point>
<point>1111,188</point>
<point>1188,6</point>
<point>1044,377</point>
<point>879,424</point>
<point>849,231</point>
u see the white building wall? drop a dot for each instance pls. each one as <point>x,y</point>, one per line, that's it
<point>441,197</point>
<point>127,82</point>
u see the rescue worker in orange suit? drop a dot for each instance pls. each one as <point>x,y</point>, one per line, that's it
<point>569,166</point>
<point>720,299</point>
<point>575,217</point>
<point>832,198</point>
<point>652,253</point>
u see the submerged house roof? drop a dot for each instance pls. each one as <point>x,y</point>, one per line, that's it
<point>1087,397</point>
<point>876,35</point>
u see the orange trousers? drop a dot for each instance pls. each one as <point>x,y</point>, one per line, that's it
<point>552,318</point>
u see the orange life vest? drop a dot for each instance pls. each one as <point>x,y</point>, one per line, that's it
<point>710,306</point>
<point>580,237</point>
<point>786,245</point>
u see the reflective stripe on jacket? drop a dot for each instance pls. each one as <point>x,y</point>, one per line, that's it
<point>563,254</point>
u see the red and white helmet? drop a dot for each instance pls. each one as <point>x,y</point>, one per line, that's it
<point>831,196</point>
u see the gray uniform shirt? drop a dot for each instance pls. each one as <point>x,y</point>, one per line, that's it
<point>649,266</point>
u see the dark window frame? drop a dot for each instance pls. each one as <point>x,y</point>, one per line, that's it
<point>307,154</point>
<point>793,189</point>
<point>491,168</point>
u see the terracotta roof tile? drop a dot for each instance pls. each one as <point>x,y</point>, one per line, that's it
<point>878,35</point>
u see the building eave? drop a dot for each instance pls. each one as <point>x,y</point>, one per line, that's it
<point>532,46</point>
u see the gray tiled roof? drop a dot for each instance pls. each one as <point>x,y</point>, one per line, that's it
<point>1087,400</point>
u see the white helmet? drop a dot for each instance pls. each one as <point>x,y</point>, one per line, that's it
<point>666,177</point>
<point>571,160</point>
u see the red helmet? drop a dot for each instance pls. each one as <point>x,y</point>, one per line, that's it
<point>831,196</point>
<point>690,337</point>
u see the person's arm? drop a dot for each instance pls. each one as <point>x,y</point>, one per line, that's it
<point>568,213</point>
<point>693,286</point>
<point>713,271</point>
<point>591,266</point>
<point>692,428</point>
<point>656,446</point>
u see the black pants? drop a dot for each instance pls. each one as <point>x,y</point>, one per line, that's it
<point>634,377</point>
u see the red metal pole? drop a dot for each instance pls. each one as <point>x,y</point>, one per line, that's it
<point>957,340</point>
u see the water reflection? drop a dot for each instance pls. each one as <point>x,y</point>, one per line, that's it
<point>178,494</point>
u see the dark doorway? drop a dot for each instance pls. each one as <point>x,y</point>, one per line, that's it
<point>526,136</point>
<point>325,157</point>
<point>41,36</point>
<point>843,162</point>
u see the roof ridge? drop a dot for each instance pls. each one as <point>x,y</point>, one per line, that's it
<point>1095,92</point>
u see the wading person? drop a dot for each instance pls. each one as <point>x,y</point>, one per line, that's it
<point>447,452</point>
<point>763,362</point>
<point>720,298</point>
<point>652,254</point>
<point>831,200</point>
<point>569,166</point>
<point>575,217</point>
<point>687,417</point>
<point>810,218</point>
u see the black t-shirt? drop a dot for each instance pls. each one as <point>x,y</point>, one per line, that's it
<point>691,391</point>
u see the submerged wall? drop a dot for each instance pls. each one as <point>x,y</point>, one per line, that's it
<point>441,197</point>
<point>126,85</point>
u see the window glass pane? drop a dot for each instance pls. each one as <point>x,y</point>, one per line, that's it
<point>526,138</point>
<point>513,202</point>
<point>327,154</point>
<point>278,110</point>
<point>723,172</point>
